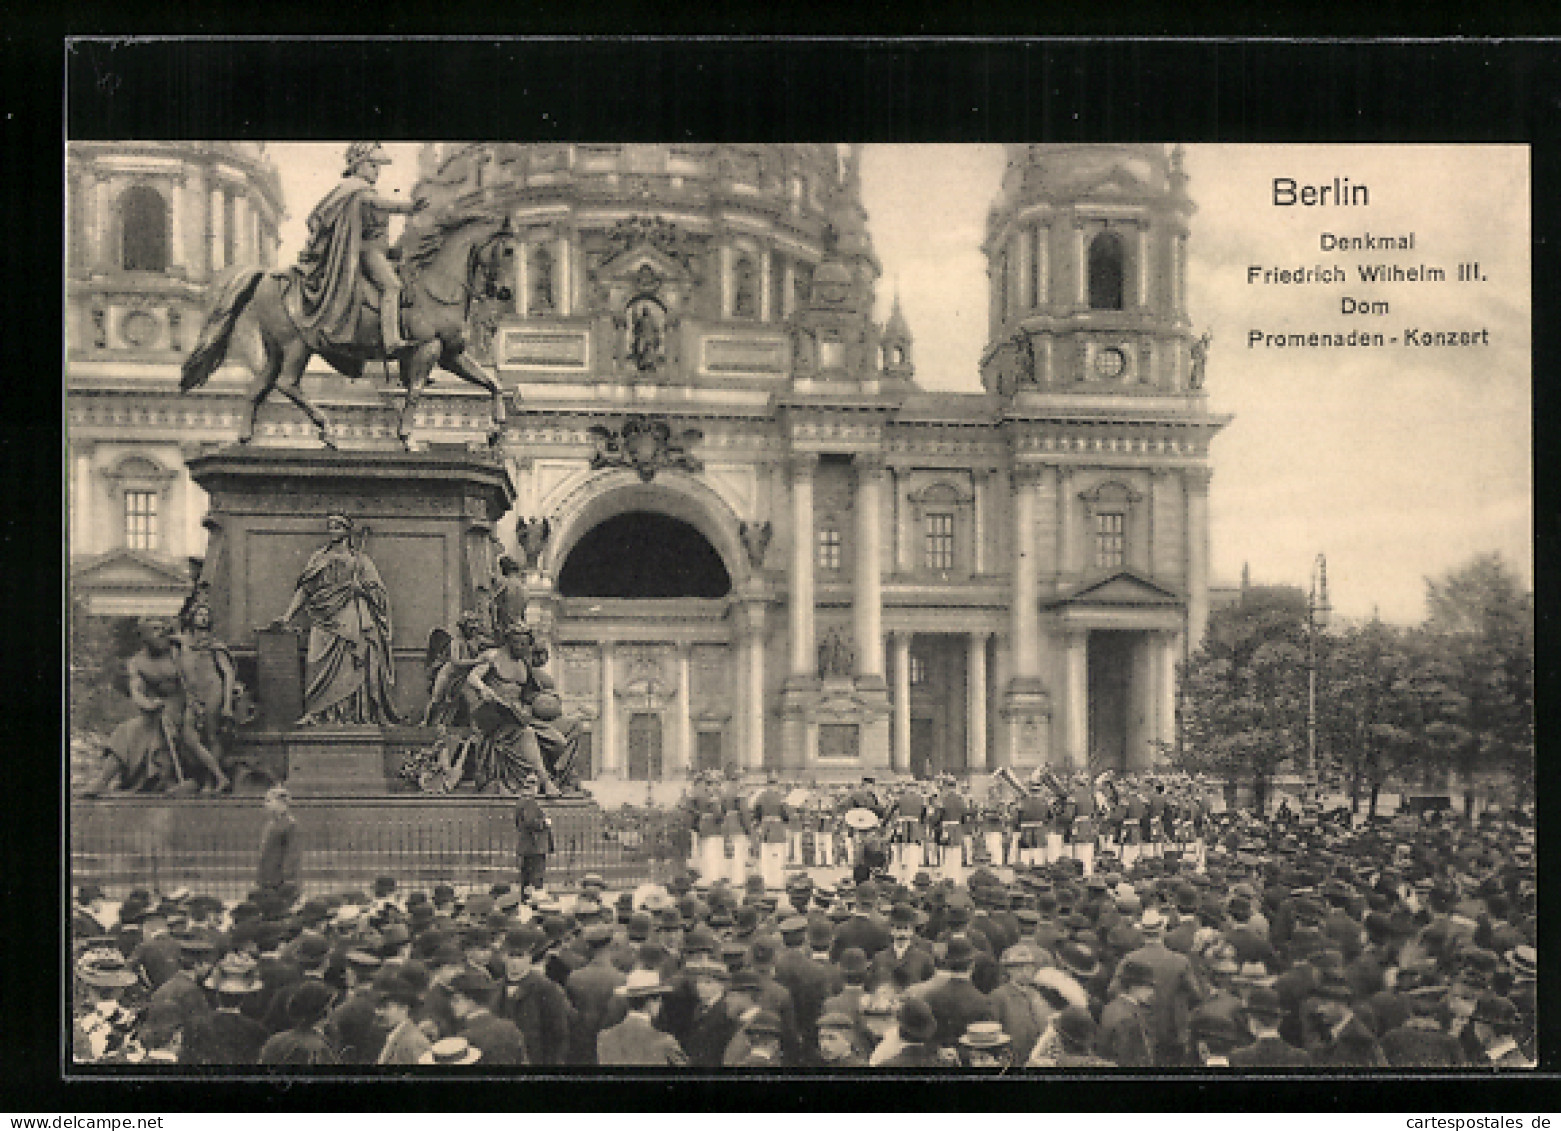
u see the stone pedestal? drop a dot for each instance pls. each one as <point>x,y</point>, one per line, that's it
<point>429,516</point>
<point>429,519</point>
<point>336,761</point>
<point>1026,715</point>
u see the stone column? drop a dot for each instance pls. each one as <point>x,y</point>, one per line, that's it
<point>1142,297</point>
<point>1197,485</point>
<point>901,642</point>
<point>86,539</point>
<point>176,256</point>
<point>611,754</point>
<point>1024,609</point>
<point>983,477</point>
<point>1082,258</point>
<point>789,290</point>
<point>867,599</point>
<point>804,661</point>
<point>902,525</point>
<point>726,280</point>
<point>754,706</point>
<point>218,232</point>
<point>1067,529</point>
<point>565,277</point>
<point>1075,705</point>
<point>1166,652</point>
<point>765,267</point>
<point>104,252</point>
<point>975,702</point>
<point>241,251</point>
<point>1043,265</point>
<point>684,720</point>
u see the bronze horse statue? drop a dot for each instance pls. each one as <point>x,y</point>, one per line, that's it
<point>446,264</point>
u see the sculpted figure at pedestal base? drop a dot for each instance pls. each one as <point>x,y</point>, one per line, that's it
<point>349,672</point>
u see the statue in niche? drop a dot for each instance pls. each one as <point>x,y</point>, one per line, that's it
<point>835,658</point>
<point>541,271</point>
<point>647,334</point>
<point>1200,360</point>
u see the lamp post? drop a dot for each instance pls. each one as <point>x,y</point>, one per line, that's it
<point>1317,614</point>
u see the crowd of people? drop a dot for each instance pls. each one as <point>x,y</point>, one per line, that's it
<point>1208,940</point>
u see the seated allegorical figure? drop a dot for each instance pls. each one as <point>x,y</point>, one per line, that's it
<point>521,719</point>
<point>159,748</point>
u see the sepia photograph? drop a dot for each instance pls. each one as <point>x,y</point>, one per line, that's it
<point>560,606</point>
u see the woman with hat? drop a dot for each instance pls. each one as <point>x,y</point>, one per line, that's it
<point>226,1035</point>
<point>103,1026</point>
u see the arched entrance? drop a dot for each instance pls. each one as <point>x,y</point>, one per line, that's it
<point>644,555</point>
<point>644,576</point>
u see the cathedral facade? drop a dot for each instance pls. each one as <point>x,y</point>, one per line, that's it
<point>750,537</point>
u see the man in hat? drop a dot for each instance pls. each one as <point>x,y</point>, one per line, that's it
<point>906,960</point>
<point>349,236</point>
<point>1268,1049</point>
<point>838,1042</point>
<point>635,1040</point>
<point>760,1044</point>
<point>712,1021</point>
<point>471,996</point>
<point>953,998</point>
<point>866,928</point>
<point>353,1027</point>
<point>1126,1034</point>
<point>534,836</point>
<point>304,1042</point>
<point>1068,1042</point>
<point>918,1035</point>
<point>985,1045</point>
<point>1020,1007</point>
<point>854,971</point>
<point>397,998</point>
<point>1178,991</point>
<point>593,995</point>
<point>537,1005</point>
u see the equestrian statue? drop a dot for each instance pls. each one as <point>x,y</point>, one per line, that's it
<point>346,302</point>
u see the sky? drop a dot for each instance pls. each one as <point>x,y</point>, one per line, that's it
<point>1398,463</point>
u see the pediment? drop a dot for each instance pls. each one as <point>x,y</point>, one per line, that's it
<point>1118,182</point>
<point>1125,589</point>
<point>640,264</point>
<point>129,569</point>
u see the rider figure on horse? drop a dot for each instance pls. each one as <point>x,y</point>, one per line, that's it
<point>349,231</point>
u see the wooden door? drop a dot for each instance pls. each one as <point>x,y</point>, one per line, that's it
<point>644,747</point>
<point>708,753</point>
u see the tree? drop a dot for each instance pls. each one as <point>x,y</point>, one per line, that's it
<point>1480,626</point>
<point>1364,707</point>
<point>1242,711</point>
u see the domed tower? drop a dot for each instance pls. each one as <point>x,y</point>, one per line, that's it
<point>151,227</point>
<point>674,264</point>
<point>1086,253</point>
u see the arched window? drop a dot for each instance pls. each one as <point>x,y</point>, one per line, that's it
<point>143,221</point>
<point>1105,272</point>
